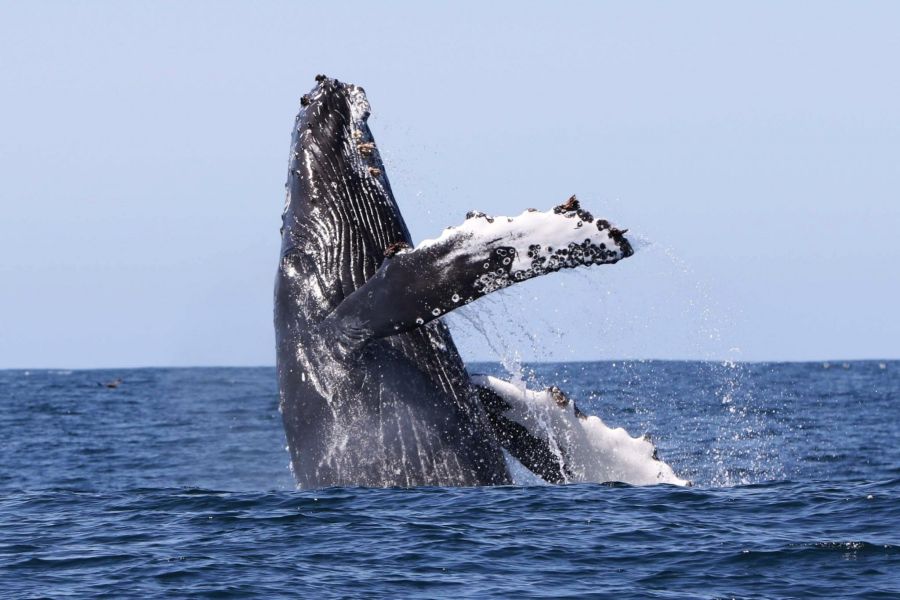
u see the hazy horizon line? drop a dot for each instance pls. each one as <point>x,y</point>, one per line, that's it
<point>830,361</point>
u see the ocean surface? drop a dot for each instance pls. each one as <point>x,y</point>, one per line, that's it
<point>176,483</point>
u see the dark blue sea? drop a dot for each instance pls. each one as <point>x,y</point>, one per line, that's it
<point>176,484</point>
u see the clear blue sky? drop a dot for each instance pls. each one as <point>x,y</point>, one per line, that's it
<point>143,149</point>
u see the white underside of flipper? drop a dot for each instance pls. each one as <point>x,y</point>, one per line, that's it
<point>587,448</point>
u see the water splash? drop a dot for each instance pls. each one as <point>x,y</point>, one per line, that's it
<point>738,451</point>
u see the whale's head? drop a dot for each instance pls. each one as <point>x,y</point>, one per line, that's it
<point>333,120</point>
<point>339,207</point>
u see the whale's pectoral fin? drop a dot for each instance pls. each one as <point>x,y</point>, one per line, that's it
<point>546,432</point>
<point>531,449</point>
<point>484,254</point>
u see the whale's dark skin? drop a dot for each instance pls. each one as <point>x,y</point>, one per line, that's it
<point>373,390</point>
<point>413,382</point>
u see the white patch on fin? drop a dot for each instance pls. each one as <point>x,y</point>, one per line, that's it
<point>552,230</point>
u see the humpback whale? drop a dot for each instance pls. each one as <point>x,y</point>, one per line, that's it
<point>373,391</point>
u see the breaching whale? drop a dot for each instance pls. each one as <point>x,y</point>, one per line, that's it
<point>372,389</point>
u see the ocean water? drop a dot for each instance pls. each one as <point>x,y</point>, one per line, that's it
<point>176,484</point>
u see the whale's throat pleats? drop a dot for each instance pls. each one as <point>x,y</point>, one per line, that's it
<point>340,207</point>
